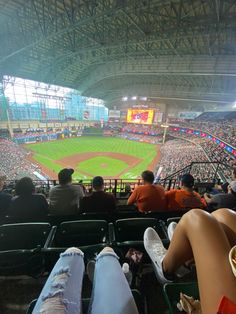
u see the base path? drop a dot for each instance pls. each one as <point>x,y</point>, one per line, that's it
<point>74,160</point>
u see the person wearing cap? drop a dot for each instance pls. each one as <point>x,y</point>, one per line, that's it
<point>186,197</point>
<point>148,197</point>
<point>223,200</point>
<point>98,200</point>
<point>64,198</point>
<point>5,199</point>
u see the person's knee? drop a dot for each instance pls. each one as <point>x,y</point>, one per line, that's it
<point>223,214</point>
<point>194,217</point>
<point>195,213</point>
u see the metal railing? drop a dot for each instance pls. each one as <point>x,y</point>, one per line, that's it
<point>203,172</point>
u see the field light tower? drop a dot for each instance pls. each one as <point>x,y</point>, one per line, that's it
<point>165,126</point>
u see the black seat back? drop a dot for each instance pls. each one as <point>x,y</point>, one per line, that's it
<point>23,236</point>
<point>82,232</point>
<point>132,229</point>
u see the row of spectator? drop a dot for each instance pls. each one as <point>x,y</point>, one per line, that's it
<point>225,130</point>
<point>141,138</point>
<point>69,199</point>
<point>14,161</point>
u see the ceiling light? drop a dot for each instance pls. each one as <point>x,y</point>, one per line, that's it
<point>134,98</point>
<point>125,98</point>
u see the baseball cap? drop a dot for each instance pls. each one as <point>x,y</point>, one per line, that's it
<point>65,174</point>
<point>187,180</point>
<point>233,186</point>
<point>97,181</point>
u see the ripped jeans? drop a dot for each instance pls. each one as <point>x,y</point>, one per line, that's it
<point>61,293</point>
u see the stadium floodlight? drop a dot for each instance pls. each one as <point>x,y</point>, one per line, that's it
<point>234,104</point>
<point>165,126</point>
<point>134,98</point>
<point>125,98</point>
<point>144,98</point>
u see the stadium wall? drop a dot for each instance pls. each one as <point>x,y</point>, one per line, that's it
<point>24,125</point>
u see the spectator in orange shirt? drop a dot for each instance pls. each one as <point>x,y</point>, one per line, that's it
<point>185,198</point>
<point>148,197</point>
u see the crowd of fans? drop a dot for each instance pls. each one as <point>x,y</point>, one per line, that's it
<point>225,130</point>
<point>141,138</point>
<point>213,151</point>
<point>142,128</point>
<point>29,134</point>
<point>13,161</point>
<point>177,154</point>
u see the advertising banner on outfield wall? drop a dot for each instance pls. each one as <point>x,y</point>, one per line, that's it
<point>189,115</point>
<point>114,114</point>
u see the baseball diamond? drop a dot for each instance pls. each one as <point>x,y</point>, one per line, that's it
<point>89,156</point>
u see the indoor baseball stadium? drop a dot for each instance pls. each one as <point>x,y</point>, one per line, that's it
<point>117,156</point>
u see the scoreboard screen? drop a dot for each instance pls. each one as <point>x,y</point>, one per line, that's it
<point>140,116</point>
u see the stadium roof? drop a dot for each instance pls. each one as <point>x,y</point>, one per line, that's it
<point>176,51</point>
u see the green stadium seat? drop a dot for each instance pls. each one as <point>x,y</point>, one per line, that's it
<point>21,248</point>
<point>91,236</point>
<point>97,216</point>
<point>55,220</point>
<point>81,233</point>
<point>24,236</point>
<point>132,229</point>
<point>172,294</point>
<point>128,233</point>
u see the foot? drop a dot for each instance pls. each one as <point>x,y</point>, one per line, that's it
<point>156,252</point>
<point>171,229</point>
<point>90,268</point>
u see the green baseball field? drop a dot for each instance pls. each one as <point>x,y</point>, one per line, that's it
<point>89,156</point>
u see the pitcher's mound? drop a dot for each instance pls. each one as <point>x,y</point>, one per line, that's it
<point>104,165</point>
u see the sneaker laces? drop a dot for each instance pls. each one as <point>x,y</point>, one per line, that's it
<point>158,249</point>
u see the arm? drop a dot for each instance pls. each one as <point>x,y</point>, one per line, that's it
<point>208,198</point>
<point>133,198</point>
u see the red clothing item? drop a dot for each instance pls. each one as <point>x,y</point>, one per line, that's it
<point>226,306</point>
<point>148,198</point>
<point>181,199</point>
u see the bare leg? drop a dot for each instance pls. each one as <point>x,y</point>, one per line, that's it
<point>200,235</point>
<point>227,218</point>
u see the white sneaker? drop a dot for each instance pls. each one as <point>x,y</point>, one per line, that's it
<point>171,229</point>
<point>155,249</point>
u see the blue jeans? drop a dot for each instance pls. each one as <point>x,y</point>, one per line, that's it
<point>62,292</point>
